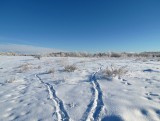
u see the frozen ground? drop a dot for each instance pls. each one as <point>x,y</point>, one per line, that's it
<point>31,91</point>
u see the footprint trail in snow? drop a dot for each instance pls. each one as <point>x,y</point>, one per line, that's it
<point>96,104</point>
<point>60,110</point>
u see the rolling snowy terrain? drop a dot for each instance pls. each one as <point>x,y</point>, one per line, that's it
<point>41,90</point>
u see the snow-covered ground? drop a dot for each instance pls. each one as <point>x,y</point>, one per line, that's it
<point>40,90</point>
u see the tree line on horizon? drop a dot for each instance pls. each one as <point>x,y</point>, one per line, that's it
<point>85,54</point>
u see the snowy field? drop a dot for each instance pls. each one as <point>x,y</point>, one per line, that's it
<point>41,90</point>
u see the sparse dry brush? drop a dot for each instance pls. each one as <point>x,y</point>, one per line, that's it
<point>70,68</point>
<point>113,71</point>
<point>51,71</point>
<point>67,67</point>
<point>85,54</point>
<point>37,57</point>
<point>24,67</point>
<point>37,67</point>
<point>11,80</point>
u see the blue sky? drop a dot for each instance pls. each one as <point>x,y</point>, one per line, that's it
<point>82,25</point>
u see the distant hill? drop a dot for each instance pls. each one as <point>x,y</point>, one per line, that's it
<point>14,49</point>
<point>25,49</point>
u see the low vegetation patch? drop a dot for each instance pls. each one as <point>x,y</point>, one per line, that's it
<point>51,71</point>
<point>37,57</point>
<point>113,71</point>
<point>24,68</point>
<point>70,68</point>
<point>11,80</point>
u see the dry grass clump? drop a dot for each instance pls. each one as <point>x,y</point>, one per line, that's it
<point>11,80</point>
<point>51,71</point>
<point>38,67</point>
<point>70,68</point>
<point>24,68</point>
<point>112,71</point>
<point>37,57</point>
<point>158,59</point>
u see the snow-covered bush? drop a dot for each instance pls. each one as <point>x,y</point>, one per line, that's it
<point>70,68</point>
<point>24,68</point>
<point>116,55</point>
<point>37,56</point>
<point>37,67</point>
<point>51,71</point>
<point>11,80</point>
<point>113,71</point>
